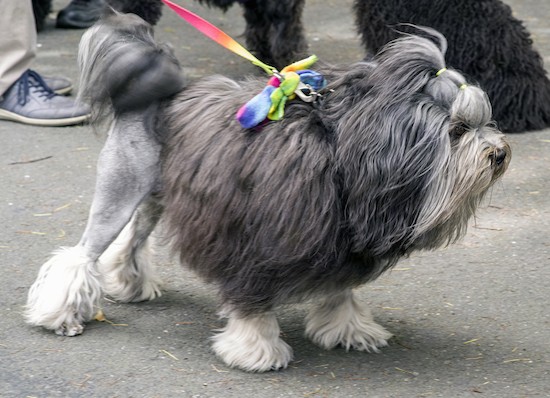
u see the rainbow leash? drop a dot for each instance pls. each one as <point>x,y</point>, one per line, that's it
<point>294,80</point>
<point>218,35</point>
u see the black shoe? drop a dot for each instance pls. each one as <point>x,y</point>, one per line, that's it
<point>80,14</point>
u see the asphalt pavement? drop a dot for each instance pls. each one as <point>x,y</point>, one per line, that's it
<point>471,320</point>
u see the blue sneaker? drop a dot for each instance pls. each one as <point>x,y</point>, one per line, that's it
<point>58,84</point>
<point>29,100</point>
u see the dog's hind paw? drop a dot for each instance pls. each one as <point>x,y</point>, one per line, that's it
<point>127,292</point>
<point>127,274</point>
<point>252,344</point>
<point>70,330</point>
<point>149,291</point>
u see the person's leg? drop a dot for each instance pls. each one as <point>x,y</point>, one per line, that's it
<point>24,95</point>
<point>18,46</point>
<point>17,41</point>
<point>31,101</point>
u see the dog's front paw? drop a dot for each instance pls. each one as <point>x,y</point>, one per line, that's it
<point>252,344</point>
<point>361,336</point>
<point>342,320</point>
<point>259,356</point>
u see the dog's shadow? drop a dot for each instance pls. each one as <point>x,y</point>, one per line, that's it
<point>428,350</point>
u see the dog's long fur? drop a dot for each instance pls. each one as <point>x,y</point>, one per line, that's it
<point>392,159</point>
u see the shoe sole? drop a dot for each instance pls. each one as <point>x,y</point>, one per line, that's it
<point>68,121</point>
<point>64,91</point>
<point>73,25</point>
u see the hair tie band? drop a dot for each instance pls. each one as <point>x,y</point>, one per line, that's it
<point>463,86</point>
<point>440,71</point>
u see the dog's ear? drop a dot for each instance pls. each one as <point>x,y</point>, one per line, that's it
<point>390,169</point>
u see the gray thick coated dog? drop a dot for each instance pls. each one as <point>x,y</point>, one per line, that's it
<point>395,157</point>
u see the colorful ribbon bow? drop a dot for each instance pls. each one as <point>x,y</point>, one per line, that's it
<point>270,103</point>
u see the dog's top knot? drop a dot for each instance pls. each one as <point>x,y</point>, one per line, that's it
<point>461,86</point>
<point>468,104</point>
<point>294,80</point>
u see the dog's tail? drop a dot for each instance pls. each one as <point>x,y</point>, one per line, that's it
<point>123,68</point>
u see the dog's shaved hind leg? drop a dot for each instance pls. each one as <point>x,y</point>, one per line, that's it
<point>68,287</point>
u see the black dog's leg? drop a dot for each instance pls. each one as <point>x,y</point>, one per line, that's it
<point>274,30</point>
<point>41,9</point>
<point>287,39</point>
<point>257,31</point>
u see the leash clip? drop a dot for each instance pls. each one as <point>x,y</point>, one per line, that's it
<point>306,93</point>
<point>278,75</point>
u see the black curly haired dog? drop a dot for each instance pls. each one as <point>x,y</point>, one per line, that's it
<point>274,29</point>
<point>486,42</point>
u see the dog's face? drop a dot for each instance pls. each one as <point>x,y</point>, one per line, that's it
<point>481,156</point>
<point>427,154</point>
<point>478,158</point>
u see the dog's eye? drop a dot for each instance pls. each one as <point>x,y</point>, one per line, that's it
<point>498,156</point>
<point>458,130</point>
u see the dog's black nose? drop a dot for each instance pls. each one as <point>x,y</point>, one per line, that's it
<point>499,155</point>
